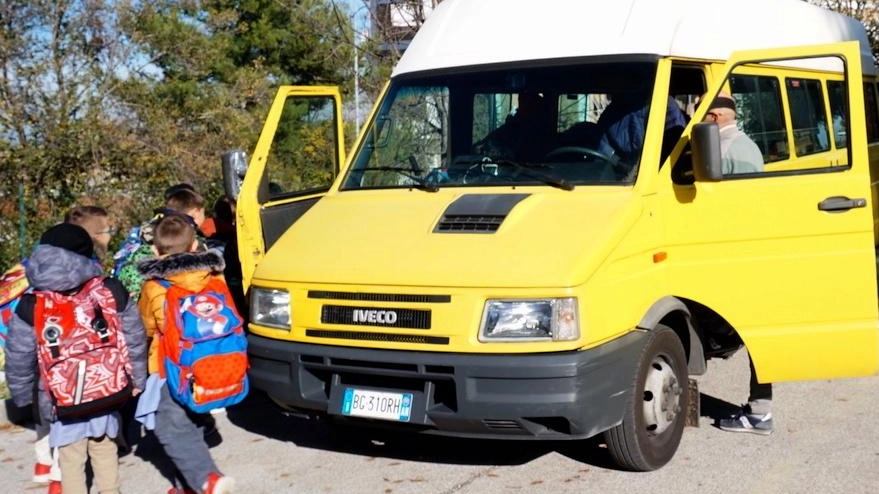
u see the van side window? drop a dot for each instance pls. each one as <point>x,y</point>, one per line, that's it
<point>808,117</point>
<point>760,114</point>
<point>837,95</point>
<point>872,112</point>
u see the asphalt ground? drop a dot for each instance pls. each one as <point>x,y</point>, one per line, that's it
<point>826,440</point>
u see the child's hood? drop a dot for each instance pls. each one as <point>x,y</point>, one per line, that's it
<point>57,269</point>
<point>189,269</point>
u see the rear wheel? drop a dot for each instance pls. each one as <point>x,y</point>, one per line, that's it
<point>653,422</point>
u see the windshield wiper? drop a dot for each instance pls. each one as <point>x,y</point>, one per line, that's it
<point>420,183</point>
<point>525,168</point>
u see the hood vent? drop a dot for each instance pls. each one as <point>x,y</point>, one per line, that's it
<point>477,213</point>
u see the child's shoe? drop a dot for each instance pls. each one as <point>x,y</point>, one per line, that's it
<point>41,473</point>
<point>218,484</point>
<point>175,490</point>
<point>54,487</point>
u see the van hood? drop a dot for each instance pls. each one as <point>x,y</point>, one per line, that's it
<point>450,238</point>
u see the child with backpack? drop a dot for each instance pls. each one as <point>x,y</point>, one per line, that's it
<point>179,198</point>
<point>87,342</point>
<point>13,284</point>
<point>197,355</point>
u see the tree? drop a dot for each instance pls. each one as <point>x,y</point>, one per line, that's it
<point>391,26</point>
<point>110,101</point>
<point>59,138</point>
<point>865,11</point>
<point>215,66</point>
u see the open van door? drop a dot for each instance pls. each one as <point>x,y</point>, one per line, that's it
<point>296,160</point>
<point>796,278</point>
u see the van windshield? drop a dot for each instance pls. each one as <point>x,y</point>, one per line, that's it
<point>558,125</point>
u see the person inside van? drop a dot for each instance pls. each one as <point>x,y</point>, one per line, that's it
<point>522,135</point>
<point>738,153</point>
<point>622,126</point>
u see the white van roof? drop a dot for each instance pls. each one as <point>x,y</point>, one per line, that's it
<point>473,32</point>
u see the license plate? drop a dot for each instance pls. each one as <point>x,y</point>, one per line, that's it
<point>377,404</point>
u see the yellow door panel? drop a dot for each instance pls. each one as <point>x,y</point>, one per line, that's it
<point>786,256</point>
<point>298,156</point>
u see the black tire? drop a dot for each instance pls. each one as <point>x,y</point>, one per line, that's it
<point>653,425</point>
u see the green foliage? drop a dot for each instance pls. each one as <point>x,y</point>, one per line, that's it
<point>110,101</point>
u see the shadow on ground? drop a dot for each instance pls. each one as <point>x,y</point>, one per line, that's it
<point>260,416</point>
<point>716,409</point>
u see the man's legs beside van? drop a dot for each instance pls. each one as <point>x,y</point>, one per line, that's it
<point>756,416</point>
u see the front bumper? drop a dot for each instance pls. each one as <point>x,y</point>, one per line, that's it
<point>565,395</point>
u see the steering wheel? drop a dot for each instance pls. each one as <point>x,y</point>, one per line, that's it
<point>480,170</point>
<point>478,174</point>
<point>578,150</point>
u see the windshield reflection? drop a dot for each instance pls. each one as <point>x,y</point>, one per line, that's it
<point>561,126</point>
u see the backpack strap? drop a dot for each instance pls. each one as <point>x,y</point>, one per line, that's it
<point>99,322</point>
<point>162,353</point>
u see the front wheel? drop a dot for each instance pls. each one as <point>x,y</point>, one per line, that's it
<point>653,422</point>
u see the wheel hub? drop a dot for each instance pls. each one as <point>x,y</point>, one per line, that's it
<point>662,392</point>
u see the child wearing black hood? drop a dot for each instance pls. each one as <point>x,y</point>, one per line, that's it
<point>62,263</point>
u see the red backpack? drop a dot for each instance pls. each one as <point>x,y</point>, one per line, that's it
<point>82,355</point>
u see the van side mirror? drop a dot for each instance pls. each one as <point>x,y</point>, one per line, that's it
<point>705,144</point>
<point>234,168</point>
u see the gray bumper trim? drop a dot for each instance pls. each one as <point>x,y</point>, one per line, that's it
<point>566,395</point>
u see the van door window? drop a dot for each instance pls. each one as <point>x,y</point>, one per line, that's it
<point>759,114</point>
<point>303,155</point>
<point>872,112</point>
<point>837,96</point>
<point>808,117</point>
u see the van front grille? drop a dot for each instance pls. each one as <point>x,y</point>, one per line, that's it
<point>501,424</point>
<point>380,297</point>
<point>386,337</point>
<point>371,316</point>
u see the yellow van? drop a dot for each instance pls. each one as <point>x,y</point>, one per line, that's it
<point>534,236</point>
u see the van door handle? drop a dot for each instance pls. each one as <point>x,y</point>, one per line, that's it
<point>841,203</point>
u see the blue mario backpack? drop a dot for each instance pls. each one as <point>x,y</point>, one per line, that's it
<point>203,348</point>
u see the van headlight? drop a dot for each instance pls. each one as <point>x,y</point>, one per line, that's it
<point>552,319</point>
<point>270,307</point>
